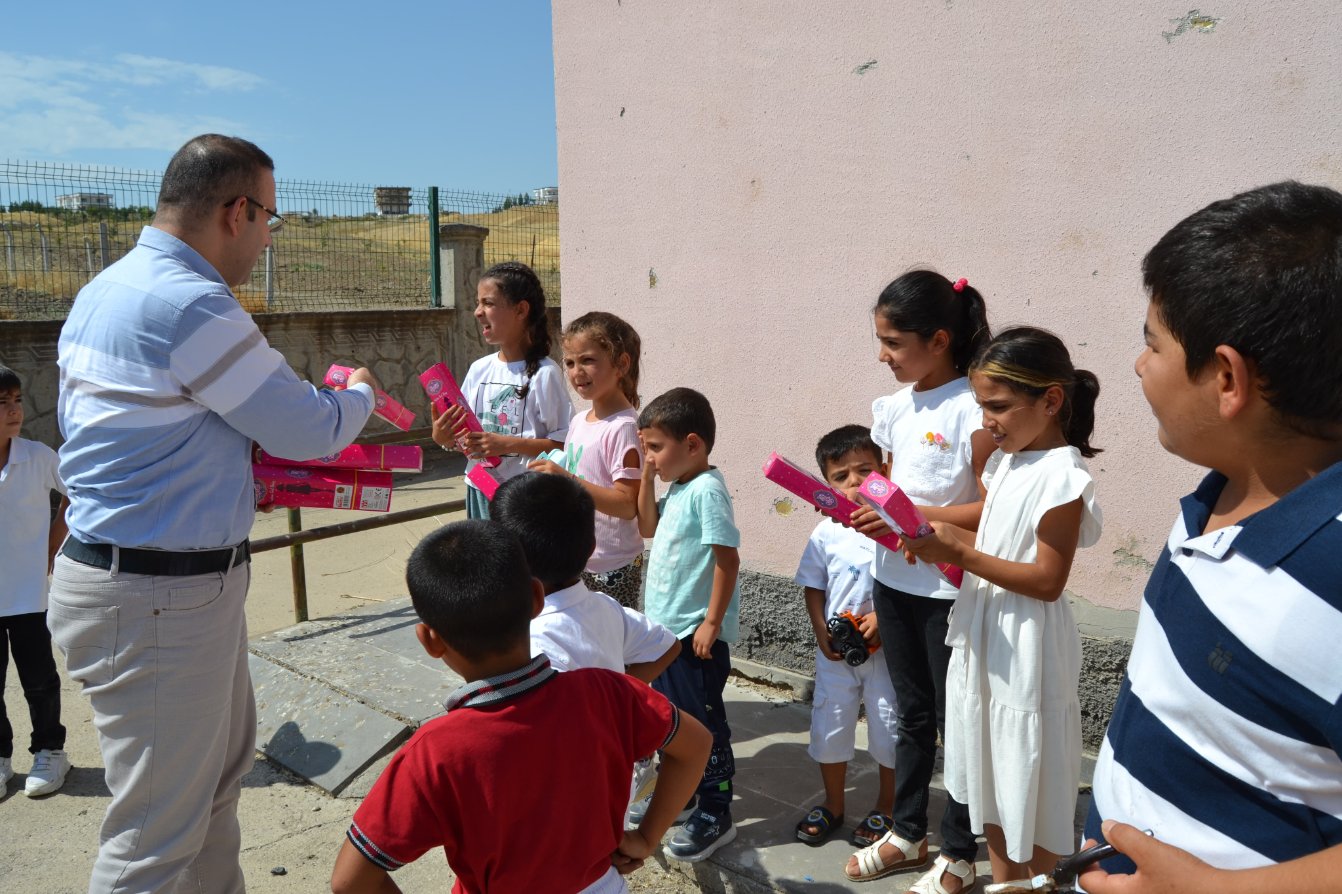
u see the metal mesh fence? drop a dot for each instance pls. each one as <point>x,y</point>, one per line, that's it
<point>343,246</point>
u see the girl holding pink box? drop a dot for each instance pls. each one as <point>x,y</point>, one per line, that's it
<point>929,328</point>
<point>517,392</point>
<point>601,357</point>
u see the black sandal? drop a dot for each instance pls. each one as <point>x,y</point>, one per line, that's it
<point>822,822</point>
<point>872,829</point>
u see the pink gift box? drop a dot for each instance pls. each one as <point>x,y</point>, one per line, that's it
<point>833,503</point>
<point>898,511</point>
<point>368,457</point>
<point>443,392</point>
<point>384,405</point>
<point>306,487</point>
<point>487,483</point>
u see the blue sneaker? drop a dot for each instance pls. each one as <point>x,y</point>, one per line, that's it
<point>702,834</point>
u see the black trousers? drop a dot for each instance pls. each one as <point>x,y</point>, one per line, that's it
<point>26,636</point>
<point>695,685</point>
<point>913,637</point>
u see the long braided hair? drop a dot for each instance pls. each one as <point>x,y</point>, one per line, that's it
<point>517,282</point>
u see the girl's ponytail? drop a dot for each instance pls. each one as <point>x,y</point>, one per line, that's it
<point>1079,418</point>
<point>518,282</point>
<point>1031,361</point>
<point>924,301</point>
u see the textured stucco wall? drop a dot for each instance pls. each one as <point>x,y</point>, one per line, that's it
<point>741,179</point>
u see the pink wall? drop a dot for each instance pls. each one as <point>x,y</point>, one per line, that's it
<point>740,153</point>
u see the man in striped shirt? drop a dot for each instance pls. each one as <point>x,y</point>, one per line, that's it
<point>1226,736</point>
<point>165,383</point>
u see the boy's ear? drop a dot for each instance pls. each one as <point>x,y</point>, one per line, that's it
<point>433,643</point>
<point>694,443</point>
<point>884,468</point>
<point>537,596</point>
<point>1236,378</point>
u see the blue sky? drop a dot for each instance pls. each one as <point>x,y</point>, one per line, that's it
<point>455,93</point>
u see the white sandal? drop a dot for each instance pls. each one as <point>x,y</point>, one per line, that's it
<point>871,866</point>
<point>930,883</point>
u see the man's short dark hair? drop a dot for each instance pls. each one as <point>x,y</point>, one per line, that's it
<point>210,171</point>
<point>1261,272</point>
<point>9,380</point>
<point>470,582</point>
<point>842,441</point>
<point>681,412</point>
<point>554,518</point>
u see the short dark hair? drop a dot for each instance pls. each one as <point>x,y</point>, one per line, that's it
<point>681,412</point>
<point>842,441</point>
<point>470,582</point>
<point>1261,272</point>
<point>209,171</point>
<point>554,518</point>
<point>9,380</point>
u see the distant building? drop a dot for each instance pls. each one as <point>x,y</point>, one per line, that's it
<point>83,201</point>
<point>546,195</point>
<point>392,200</point>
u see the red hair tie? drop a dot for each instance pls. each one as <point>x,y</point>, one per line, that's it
<point>960,284</point>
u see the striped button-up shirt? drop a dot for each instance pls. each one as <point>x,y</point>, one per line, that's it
<point>165,382</point>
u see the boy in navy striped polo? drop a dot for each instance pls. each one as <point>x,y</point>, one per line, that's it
<point>1226,736</point>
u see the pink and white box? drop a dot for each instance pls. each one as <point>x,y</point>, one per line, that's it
<point>443,392</point>
<point>368,457</point>
<point>487,483</point>
<point>796,480</point>
<point>306,487</point>
<point>898,511</point>
<point>384,405</point>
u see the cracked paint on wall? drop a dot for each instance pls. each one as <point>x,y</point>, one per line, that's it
<point>1196,20</point>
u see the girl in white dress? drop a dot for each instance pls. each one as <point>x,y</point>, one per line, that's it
<point>1013,722</point>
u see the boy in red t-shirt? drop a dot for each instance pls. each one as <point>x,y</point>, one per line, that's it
<point>524,781</point>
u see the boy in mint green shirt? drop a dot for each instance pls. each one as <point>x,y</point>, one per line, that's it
<point>692,590</point>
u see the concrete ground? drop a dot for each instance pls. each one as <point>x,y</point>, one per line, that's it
<point>292,830</point>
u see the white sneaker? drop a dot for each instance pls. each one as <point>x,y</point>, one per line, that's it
<point>644,778</point>
<point>47,774</point>
<point>6,772</point>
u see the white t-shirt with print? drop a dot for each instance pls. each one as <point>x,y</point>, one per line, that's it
<point>838,561</point>
<point>491,387</point>
<point>927,434</point>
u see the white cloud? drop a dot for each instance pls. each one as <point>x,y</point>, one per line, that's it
<point>53,106</point>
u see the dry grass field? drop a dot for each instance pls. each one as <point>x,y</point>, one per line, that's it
<point>320,263</point>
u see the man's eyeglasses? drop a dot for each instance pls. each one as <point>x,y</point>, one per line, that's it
<point>274,222</point>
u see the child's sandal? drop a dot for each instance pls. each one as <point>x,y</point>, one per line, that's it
<point>870,864</point>
<point>872,829</point>
<point>818,825</point>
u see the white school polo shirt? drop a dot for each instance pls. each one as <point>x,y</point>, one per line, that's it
<point>26,483</point>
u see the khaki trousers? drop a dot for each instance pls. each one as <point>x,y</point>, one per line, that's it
<point>163,661</point>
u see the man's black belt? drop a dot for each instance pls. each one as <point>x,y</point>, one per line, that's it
<point>157,561</point>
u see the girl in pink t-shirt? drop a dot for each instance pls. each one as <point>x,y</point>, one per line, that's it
<point>602,451</point>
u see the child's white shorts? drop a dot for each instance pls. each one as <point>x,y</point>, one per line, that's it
<point>838,691</point>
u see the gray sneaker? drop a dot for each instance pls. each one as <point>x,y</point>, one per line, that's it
<point>639,809</point>
<point>702,834</point>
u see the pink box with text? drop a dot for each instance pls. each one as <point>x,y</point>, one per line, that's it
<point>898,511</point>
<point>794,479</point>
<point>384,406</point>
<point>368,457</point>
<point>444,391</point>
<point>306,487</point>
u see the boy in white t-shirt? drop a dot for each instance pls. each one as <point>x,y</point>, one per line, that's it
<point>28,475</point>
<point>555,519</point>
<point>835,571</point>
